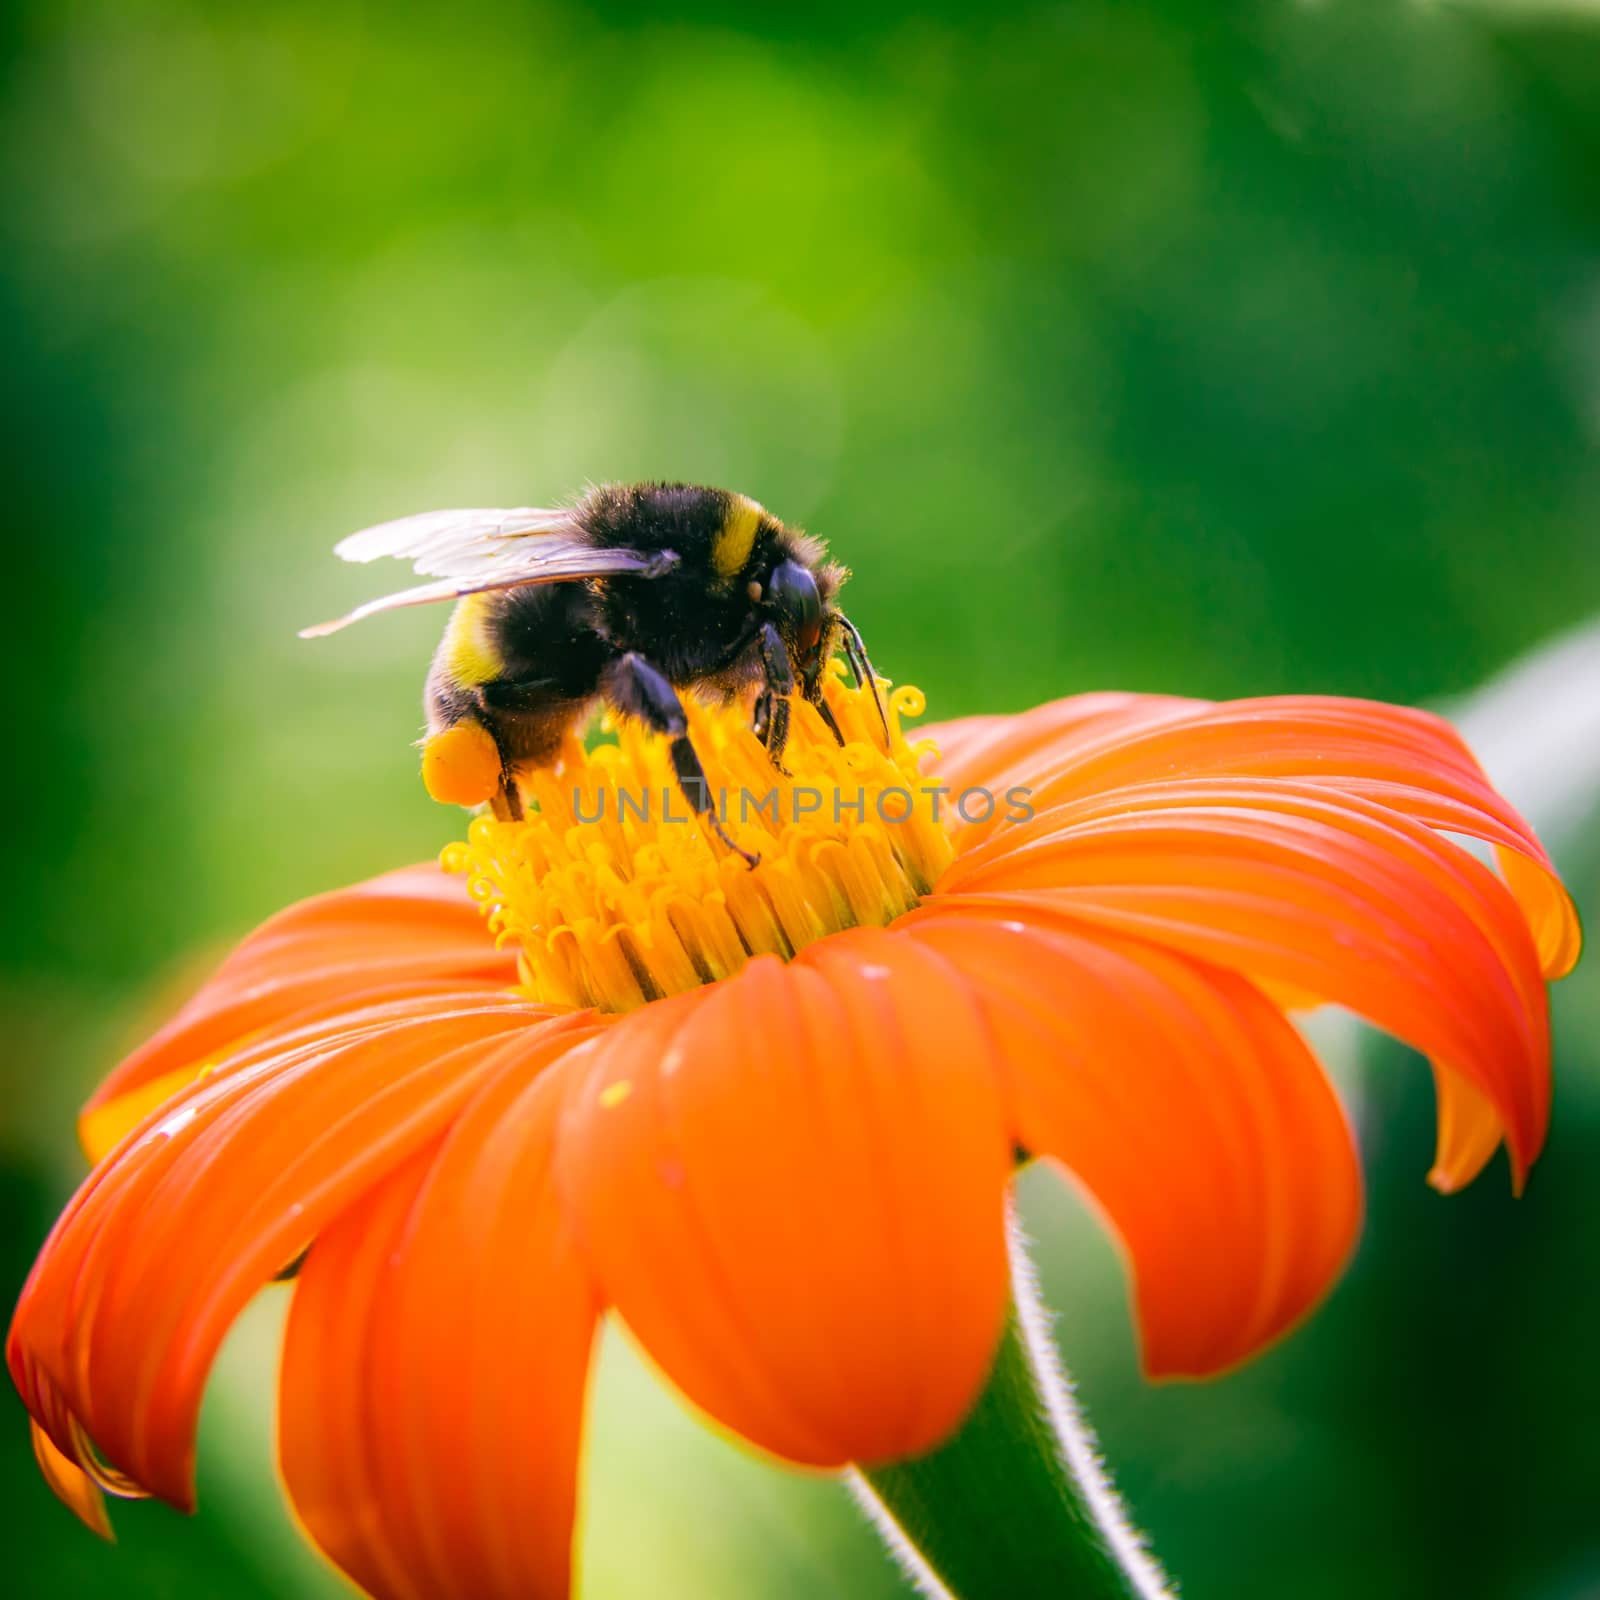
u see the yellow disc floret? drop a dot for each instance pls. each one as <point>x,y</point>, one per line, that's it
<point>461,766</point>
<point>617,894</point>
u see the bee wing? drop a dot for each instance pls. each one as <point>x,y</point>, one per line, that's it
<point>466,544</point>
<point>472,551</point>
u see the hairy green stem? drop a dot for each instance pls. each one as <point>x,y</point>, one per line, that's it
<point>1016,1503</point>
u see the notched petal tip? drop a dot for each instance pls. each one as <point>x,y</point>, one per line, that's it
<point>72,1486</point>
<point>1469,1133</point>
<point>1552,914</point>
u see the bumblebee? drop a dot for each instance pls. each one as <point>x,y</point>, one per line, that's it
<point>633,594</point>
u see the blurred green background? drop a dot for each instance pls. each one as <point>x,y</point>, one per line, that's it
<point>1206,348</point>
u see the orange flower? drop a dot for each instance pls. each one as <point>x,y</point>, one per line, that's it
<point>768,1116</point>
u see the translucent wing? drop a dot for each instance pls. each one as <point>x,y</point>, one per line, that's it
<point>471,551</point>
<point>466,544</point>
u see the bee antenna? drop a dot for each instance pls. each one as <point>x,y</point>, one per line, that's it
<point>855,651</point>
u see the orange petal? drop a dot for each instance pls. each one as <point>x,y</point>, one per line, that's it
<point>1192,1113</point>
<point>106,1122</point>
<point>1312,891</point>
<point>996,752</point>
<point>103,1128</point>
<point>791,1186</point>
<point>436,1357</point>
<point>171,1235</point>
<point>1411,761</point>
<point>403,931</point>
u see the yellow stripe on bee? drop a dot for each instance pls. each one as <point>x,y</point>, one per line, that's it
<point>732,546</point>
<point>468,649</point>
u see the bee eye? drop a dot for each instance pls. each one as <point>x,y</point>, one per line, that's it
<point>795,599</point>
<point>753,589</point>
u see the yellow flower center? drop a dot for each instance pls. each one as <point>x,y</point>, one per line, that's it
<point>617,894</point>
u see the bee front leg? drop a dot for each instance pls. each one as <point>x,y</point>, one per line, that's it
<point>780,685</point>
<point>855,650</point>
<point>828,717</point>
<point>637,689</point>
<point>812,690</point>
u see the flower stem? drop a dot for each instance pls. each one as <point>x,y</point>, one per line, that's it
<point>1016,1504</point>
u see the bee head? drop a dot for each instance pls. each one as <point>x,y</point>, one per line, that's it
<point>795,604</point>
<point>799,596</point>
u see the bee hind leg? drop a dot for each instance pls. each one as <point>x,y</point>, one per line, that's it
<point>637,689</point>
<point>463,765</point>
<point>506,803</point>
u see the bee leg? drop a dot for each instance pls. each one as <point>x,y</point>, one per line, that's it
<point>824,710</point>
<point>637,689</point>
<point>780,685</point>
<point>761,723</point>
<point>811,688</point>
<point>464,764</point>
<point>855,650</point>
<point>497,700</point>
<point>778,735</point>
<point>507,803</point>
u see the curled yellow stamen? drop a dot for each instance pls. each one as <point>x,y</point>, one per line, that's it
<point>617,894</point>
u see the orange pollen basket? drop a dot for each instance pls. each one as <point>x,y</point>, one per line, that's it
<point>617,894</point>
